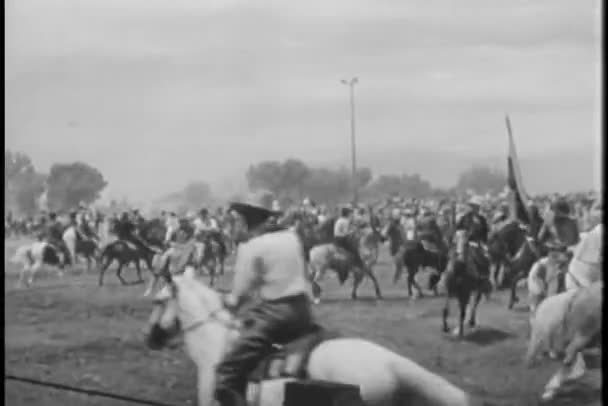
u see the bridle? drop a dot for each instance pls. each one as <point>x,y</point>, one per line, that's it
<point>211,316</point>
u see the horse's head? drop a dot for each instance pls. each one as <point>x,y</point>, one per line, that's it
<point>182,305</point>
<point>460,244</point>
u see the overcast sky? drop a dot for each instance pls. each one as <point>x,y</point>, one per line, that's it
<point>156,93</point>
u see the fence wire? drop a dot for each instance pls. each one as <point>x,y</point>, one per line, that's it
<point>89,392</point>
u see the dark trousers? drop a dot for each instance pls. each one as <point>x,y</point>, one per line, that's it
<point>349,246</point>
<point>269,322</point>
<point>60,246</point>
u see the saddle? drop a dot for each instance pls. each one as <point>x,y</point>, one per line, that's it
<point>291,359</point>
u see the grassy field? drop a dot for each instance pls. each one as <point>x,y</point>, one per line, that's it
<point>71,331</point>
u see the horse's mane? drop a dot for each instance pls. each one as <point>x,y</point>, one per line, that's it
<point>206,293</point>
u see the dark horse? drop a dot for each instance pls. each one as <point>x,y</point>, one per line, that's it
<point>463,277</point>
<point>510,248</point>
<point>412,255</point>
<point>152,233</point>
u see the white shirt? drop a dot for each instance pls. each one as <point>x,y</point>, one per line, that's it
<point>341,227</point>
<point>202,225</point>
<point>172,223</point>
<point>271,264</point>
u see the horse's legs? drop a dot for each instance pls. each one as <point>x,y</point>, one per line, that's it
<point>357,278</point>
<point>211,267</point>
<point>572,368</point>
<point>164,267</point>
<point>411,280</point>
<point>446,313</point>
<point>222,259</point>
<point>573,358</point>
<point>368,271</point>
<point>119,271</point>
<point>463,302</point>
<point>22,276</point>
<point>472,318</point>
<point>418,289</point>
<point>89,261</point>
<point>153,281</point>
<point>513,297</point>
<point>398,271</point>
<point>33,270</point>
<point>104,266</point>
<point>138,268</point>
<point>316,274</point>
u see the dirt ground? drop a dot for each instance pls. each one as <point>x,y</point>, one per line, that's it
<point>68,330</point>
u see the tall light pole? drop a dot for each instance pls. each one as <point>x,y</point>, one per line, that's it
<point>353,151</point>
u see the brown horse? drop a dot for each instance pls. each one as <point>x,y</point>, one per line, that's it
<point>465,275</point>
<point>412,255</point>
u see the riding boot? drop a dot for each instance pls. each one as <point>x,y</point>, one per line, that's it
<point>227,397</point>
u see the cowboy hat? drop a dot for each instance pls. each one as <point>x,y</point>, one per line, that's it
<point>253,210</point>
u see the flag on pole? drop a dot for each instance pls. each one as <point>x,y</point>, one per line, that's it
<point>514,180</point>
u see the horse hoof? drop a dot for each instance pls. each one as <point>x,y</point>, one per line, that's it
<point>456,332</point>
<point>316,301</point>
<point>548,395</point>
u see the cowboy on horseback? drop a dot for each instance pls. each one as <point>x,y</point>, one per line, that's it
<point>342,235</point>
<point>54,237</point>
<point>428,230</point>
<point>207,228</point>
<point>272,265</point>
<point>126,230</point>
<point>475,225</point>
<point>560,234</point>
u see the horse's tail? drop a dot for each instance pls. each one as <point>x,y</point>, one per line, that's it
<point>430,387</point>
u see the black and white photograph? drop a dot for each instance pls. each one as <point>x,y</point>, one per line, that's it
<point>303,203</point>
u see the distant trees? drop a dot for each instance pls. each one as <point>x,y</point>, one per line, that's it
<point>23,186</point>
<point>481,180</point>
<point>292,180</point>
<point>68,184</point>
<point>411,186</point>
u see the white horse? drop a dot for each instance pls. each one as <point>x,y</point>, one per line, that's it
<point>187,306</point>
<point>586,265</point>
<point>31,257</point>
<point>69,238</point>
<point>327,257</point>
<point>543,280</point>
<point>566,322</point>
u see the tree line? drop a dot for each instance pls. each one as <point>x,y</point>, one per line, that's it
<point>292,180</point>
<point>66,184</point>
<point>289,181</point>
